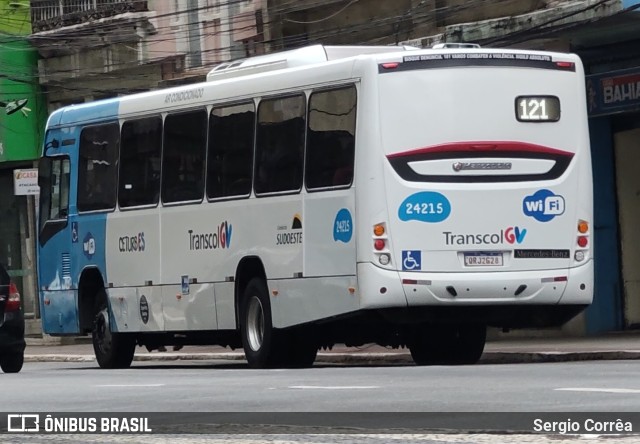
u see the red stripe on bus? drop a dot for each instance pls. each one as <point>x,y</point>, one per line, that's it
<point>462,147</point>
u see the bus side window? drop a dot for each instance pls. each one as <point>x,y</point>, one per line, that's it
<point>184,156</point>
<point>140,162</point>
<point>230,162</point>
<point>64,191</point>
<point>98,167</point>
<point>331,138</point>
<point>343,174</point>
<point>280,144</point>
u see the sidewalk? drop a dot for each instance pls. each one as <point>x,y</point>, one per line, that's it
<point>502,350</point>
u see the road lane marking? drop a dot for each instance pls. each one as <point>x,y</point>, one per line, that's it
<point>130,385</point>
<point>334,387</point>
<point>598,390</point>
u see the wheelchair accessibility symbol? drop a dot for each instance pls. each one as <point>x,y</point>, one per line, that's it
<point>74,232</point>
<point>411,260</point>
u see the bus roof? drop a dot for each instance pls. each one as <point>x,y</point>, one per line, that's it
<point>296,57</point>
<point>296,60</point>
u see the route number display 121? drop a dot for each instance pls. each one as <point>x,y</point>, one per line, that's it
<point>537,108</point>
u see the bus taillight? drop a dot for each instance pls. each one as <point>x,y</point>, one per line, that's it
<point>583,226</point>
<point>380,246</point>
<point>582,240</point>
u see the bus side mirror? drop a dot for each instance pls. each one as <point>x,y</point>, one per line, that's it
<point>51,144</point>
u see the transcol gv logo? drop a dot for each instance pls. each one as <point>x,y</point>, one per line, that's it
<point>543,205</point>
<point>510,235</point>
<point>515,235</point>
<point>221,238</point>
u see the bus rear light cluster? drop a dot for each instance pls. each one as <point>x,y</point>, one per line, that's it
<point>582,240</point>
<point>566,65</point>
<point>380,244</point>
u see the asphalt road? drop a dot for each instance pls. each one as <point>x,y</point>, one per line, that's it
<point>197,386</point>
<point>559,390</point>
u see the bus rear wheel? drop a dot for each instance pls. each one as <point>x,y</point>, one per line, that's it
<point>259,338</point>
<point>112,350</point>
<point>448,344</point>
<point>301,350</point>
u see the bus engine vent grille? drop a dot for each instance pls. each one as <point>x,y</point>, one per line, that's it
<point>66,265</point>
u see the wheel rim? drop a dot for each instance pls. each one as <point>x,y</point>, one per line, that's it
<point>103,333</point>
<point>255,324</point>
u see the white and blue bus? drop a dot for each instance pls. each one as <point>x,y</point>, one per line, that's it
<point>399,196</point>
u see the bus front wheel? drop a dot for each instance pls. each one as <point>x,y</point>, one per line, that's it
<point>112,350</point>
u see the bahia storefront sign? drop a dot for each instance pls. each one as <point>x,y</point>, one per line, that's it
<point>614,91</point>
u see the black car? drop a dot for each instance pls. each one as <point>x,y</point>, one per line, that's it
<point>12,342</point>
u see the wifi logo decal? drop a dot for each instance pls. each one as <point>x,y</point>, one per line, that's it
<point>543,205</point>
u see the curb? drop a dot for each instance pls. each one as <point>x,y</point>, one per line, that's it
<point>364,358</point>
<point>541,357</point>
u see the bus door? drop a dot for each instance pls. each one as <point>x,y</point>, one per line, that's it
<point>56,237</point>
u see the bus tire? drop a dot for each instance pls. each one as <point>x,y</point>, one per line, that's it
<point>301,350</point>
<point>261,342</point>
<point>112,350</point>
<point>465,344</point>
<point>12,363</point>
<point>449,345</point>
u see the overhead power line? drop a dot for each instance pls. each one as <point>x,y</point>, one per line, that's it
<point>417,16</point>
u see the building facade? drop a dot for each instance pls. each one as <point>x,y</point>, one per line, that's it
<point>612,60</point>
<point>22,118</point>
<point>93,49</point>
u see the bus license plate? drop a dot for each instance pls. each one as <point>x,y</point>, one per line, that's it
<point>483,259</point>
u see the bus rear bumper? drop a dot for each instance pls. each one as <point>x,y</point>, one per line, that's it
<point>559,286</point>
<point>381,288</point>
